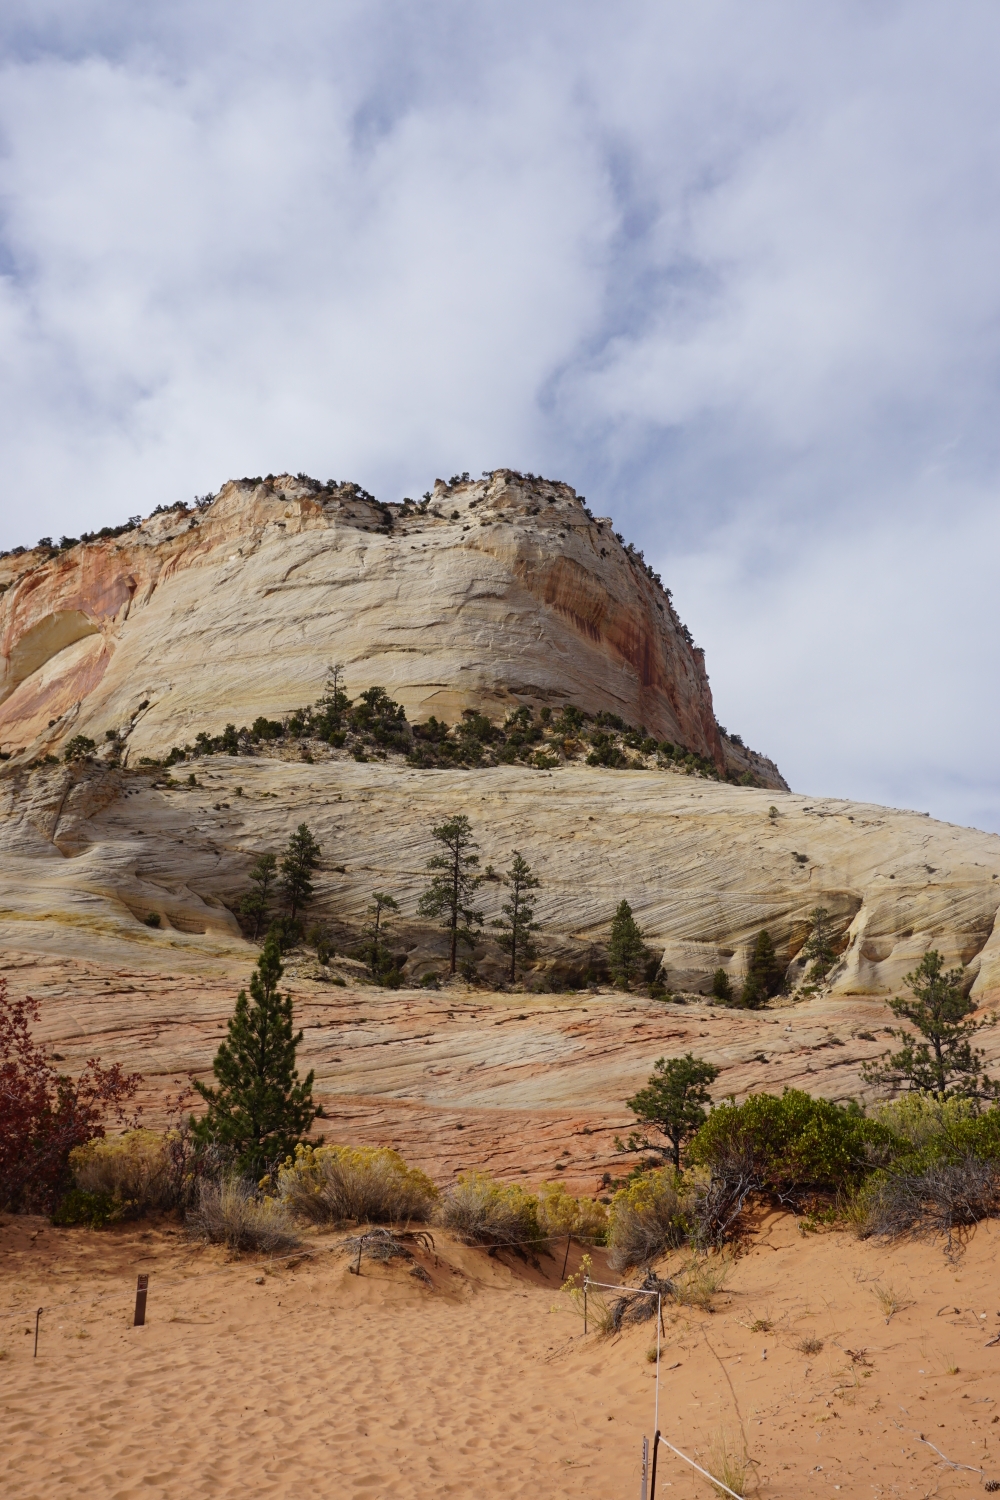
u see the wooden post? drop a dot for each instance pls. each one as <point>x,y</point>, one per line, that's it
<point>644,1484</point>
<point>356,1270</point>
<point>38,1314</point>
<point>569,1238</point>
<point>142,1286</point>
<point>652,1477</point>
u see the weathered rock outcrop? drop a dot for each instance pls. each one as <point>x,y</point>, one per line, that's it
<point>501,591</point>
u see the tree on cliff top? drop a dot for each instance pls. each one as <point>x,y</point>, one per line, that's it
<point>449,894</point>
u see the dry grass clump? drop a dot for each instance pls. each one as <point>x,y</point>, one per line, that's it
<point>888,1299</point>
<point>936,1199</point>
<point>234,1213</point>
<point>368,1184</point>
<point>729,1464</point>
<point>560,1214</point>
<point>810,1346</point>
<point>485,1212</point>
<point>647,1217</point>
<point>135,1170</point>
<point>698,1282</point>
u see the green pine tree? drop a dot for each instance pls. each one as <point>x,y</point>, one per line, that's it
<point>260,1110</point>
<point>450,892</point>
<point>626,950</point>
<point>297,865</point>
<point>944,1063</point>
<point>722,988</point>
<point>672,1101</point>
<point>518,920</point>
<point>764,977</point>
<point>818,945</point>
<point>377,955</point>
<point>256,902</point>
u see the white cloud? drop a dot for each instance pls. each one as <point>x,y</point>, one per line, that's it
<point>730,270</point>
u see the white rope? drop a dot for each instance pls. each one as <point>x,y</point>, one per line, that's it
<point>707,1475</point>
<point>611,1287</point>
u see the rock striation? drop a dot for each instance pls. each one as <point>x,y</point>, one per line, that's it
<point>488,595</point>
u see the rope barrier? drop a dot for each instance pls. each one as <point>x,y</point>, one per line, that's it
<point>305,1251</point>
<point>717,1482</point>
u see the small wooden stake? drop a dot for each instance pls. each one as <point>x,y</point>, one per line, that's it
<point>142,1286</point>
<point>38,1314</point>
<point>569,1238</point>
<point>356,1270</point>
<point>643,1487</point>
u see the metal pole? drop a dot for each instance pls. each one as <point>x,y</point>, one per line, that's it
<point>141,1287</point>
<point>656,1414</point>
<point>652,1480</point>
<point>569,1238</point>
<point>585,1307</point>
<point>643,1485</point>
<point>38,1314</point>
<point>356,1270</point>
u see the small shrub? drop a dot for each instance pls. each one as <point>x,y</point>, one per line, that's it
<point>135,1172</point>
<point>485,1212</point>
<point>560,1214</point>
<point>93,1210</point>
<point>810,1346</point>
<point>153,919</point>
<point>647,1217</point>
<point>365,1183</point>
<point>79,747</point>
<point>234,1213</point>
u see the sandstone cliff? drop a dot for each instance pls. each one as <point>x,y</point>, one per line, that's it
<point>497,592</point>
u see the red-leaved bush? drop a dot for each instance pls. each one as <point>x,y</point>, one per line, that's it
<point>44,1114</point>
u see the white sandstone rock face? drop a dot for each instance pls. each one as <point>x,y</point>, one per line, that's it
<point>88,853</point>
<point>503,591</point>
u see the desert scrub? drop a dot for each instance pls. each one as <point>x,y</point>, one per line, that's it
<point>123,1177</point>
<point>485,1212</point>
<point>699,1282</point>
<point>233,1212</point>
<point>135,1172</point>
<point>364,1183</point>
<point>560,1214</point>
<point>648,1216</point>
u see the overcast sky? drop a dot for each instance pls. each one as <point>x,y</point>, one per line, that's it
<point>731,270</point>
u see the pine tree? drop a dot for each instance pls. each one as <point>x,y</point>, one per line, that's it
<point>673,1102</point>
<point>377,954</point>
<point>260,1110</point>
<point>449,893</point>
<point>518,920</point>
<point>818,945</point>
<point>297,864</point>
<point>764,976</point>
<point>945,1063</point>
<point>626,949</point>
<point>722,987</point>
<point>255,902</point>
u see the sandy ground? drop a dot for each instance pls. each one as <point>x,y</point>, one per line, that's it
<point>298,1378</point>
